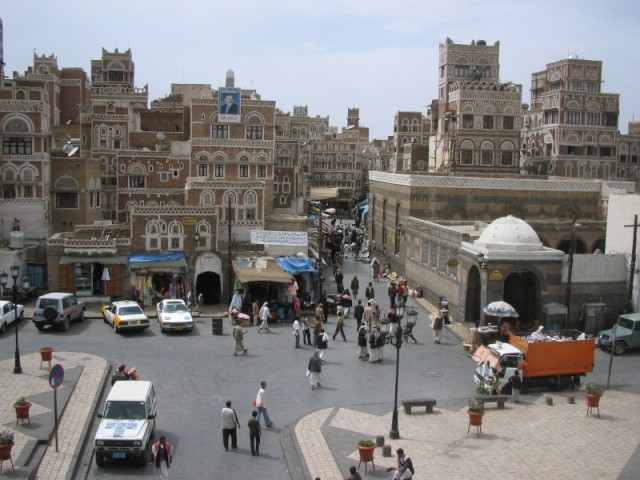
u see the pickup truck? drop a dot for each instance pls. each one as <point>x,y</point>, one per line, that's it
<point>627,334</point>
<point>556,362</point>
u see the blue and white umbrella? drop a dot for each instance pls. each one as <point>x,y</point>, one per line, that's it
<point>500,309</point>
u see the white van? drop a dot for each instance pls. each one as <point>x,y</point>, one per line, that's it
<point>127,423</point>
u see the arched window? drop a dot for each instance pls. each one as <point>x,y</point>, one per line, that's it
<point>176,237</point>
<point>204,231</point>
<point>152,236</point>
<point>286,186</point>
<point>229,198</point>
<point>506,154</point>
<point>466,152</point>
<point>250,206</point>
<point>206,198</point>
<point>486,153</point>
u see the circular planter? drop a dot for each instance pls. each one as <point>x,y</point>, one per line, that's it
<point>593,400</point>
<point>46,354</point>
<point>5,451</point>
<point>22,411</point>
<point>475,418</point>
<point>366,453</point>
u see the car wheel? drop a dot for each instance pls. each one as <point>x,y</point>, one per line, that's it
<point>100,460</point>
<point>40,326</point>
<point>81,316</point>
<point>66,324</point>
<point>619,349</point>
<point>3,327</point>
<point>50,313</point>
<point>116,329</point>
<point>144,457</point>
<point>104,319</point>
<point>21,317</point>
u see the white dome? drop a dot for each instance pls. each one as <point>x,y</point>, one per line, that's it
<point>509,233</point>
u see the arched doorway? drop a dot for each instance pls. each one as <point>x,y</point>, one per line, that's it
<point>473,300</point>
<point>522,292</point>
<point>209,285</point>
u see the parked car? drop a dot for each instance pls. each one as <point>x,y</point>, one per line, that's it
<point>627,334</point>
<point>173,314</point>
<point>125,315</point>
<point>58,309</point>
<point>8,314</point>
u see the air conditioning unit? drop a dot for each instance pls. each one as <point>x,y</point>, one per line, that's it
<point>16,240</point>
<point>102,223</point>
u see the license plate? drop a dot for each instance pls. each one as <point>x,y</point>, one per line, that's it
<point>134,322</point>
<point>119,455</point>
<point>179,328</point>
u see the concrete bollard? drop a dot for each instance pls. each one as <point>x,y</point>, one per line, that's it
<point>386,451</point>
<point>380,441</point>
<point>548,400</point>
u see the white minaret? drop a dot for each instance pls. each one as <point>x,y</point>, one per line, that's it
<point>230,79</point>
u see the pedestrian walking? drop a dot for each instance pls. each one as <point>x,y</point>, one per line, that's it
<point>392,291</point>
<point>317,328</point>
<point>374,350</point>
<point>436,324</point>
<point>355,286</point>
<point>368,315</point>
<point>375,317</point>
<point>362,342</point>
<point>375,269</point>
<point>296,332</point>
<point>392,316</point>
<point>306,331</point>
<point>260,405</point>
<point>162,452</point>
<point>322,342</point>
<point>339,277</point>
<point>340,327</point>
<point>370,292</point>
<point>264,318</point>
<point>229,424</point>
<point>238,334</point>
<point>358,313</point>
<point>314,369</point>
<point>255,433</point>
<point>255,312</point>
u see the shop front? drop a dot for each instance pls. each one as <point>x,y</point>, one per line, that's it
<point>157,276</point>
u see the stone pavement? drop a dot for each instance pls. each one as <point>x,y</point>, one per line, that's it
<point>77,399</point>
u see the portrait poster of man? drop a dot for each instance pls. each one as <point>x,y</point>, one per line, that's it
<point>229,104</point>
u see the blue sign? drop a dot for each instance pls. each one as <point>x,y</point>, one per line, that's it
<point>56,376</point>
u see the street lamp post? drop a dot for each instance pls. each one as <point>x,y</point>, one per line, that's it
<point>396,341</point>
<point>15,271</point>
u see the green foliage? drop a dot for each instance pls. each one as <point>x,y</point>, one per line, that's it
<point>366,443</point>
<point>475,405</point>
<point>21,401</point>
<point>6,437</point>
<point>482,389</point>
<point>592,388</point>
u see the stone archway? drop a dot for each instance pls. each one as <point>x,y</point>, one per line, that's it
<point>522,292</point>
<point>473,299</point>
<point>209,285</point>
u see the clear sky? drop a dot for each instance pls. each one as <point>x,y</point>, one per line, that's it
<point>378,55</point>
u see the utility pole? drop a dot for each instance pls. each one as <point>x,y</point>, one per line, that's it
<point>633,258</point>
<point>230,275</point>
<point>572,248</point>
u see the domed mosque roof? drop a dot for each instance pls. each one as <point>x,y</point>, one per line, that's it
<point>509,233</point>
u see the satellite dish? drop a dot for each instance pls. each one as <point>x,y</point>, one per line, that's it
<point>145,149</point>
<point>68,122</point>
<point>72,151</point>
<point>161,136</point>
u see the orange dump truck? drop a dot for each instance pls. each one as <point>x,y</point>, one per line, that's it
<point>550,363</point>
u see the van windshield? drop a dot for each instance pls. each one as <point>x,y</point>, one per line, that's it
<point>125,411</point>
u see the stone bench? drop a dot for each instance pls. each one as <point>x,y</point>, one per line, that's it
<point>429,403</point>
<point>498,399</point>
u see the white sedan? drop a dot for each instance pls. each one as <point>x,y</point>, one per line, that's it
<point>173,314</point>
<point>125,315</point>
<point>8,314</point>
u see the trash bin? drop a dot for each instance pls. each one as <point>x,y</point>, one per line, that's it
<point>216,325</point>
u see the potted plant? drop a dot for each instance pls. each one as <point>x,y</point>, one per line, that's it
<point>22,409</point>
<point>482,389</point>
<point>366,449</point>
<point>594,391</point>
<point>6,444</point>
<point>475,411</point>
